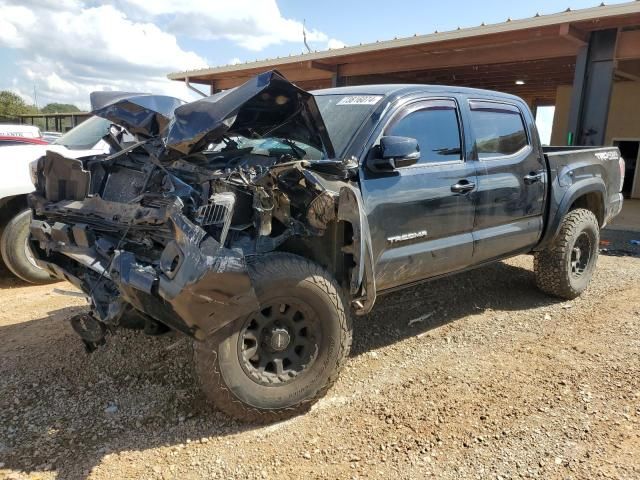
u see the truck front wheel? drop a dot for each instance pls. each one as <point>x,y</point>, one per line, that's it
<point>279,360</point>
<point>16,253</point>
<point>565,268</point>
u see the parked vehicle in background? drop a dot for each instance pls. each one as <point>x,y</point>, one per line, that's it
<point>7,141</point>
<point>15,184</point>
<point>51,136</point>
<point>307,207</point>
<point>26,131</point>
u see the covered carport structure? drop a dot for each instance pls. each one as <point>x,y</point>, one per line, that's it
<point>586,63</point>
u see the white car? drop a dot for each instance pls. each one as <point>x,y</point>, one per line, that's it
<point>15,183</point>
<point>27,131</point>
<point>50,137</point>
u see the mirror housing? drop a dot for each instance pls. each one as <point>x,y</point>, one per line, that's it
<point>393,153</point>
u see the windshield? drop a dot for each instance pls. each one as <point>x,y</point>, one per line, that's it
<point>343,115</point>
<point>270,147</point>
<point>86,135</point>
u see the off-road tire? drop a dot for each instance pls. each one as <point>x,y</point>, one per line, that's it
<point>552,266</point>
<point>12,245</point>
<point>218,366</point>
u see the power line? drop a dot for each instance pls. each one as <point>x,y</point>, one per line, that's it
<point>304,36</point>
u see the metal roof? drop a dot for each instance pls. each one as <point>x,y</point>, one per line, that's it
<point>568,16</point>
<point>407,89</point>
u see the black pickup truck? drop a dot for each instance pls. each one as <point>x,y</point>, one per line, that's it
<point>255,221</point>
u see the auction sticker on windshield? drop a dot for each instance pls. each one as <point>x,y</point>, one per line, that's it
<point>360,100</point>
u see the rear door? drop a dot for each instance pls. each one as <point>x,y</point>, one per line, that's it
<point>421,216</point>
<point>511,179</point>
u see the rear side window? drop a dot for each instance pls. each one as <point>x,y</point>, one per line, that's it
<point>435,125</point>
<point>498,128</point>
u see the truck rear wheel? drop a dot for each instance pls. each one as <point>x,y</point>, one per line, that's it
<point>16,253</point>
<point>277,361</point>
<point>565,268</point>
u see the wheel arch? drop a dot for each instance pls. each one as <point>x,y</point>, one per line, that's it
<point>592,201</point>
<point>344,250</point>
<point>10,206</point>
<point>589,194</point>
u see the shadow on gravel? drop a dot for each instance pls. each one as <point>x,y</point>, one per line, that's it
<point>8,279</point>
<point>63,410</point>
<point>427,306</point>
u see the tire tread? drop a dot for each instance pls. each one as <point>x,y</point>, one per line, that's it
<point>279,265</point>
<point>551,269</point>
<point>14,260</point>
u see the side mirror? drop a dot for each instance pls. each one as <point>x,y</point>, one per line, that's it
<point>393,153</point>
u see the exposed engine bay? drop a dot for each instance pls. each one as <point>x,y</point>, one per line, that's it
<point>168,226</point>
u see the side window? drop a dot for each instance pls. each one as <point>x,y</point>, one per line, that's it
<point>498,128</point>
<point>436,127</point>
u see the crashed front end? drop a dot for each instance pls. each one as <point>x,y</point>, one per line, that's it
<point>168,227</point>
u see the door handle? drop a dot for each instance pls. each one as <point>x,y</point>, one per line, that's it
<point>533,177</point>
<point>463,186</point>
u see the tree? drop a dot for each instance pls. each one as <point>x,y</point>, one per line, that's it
<point>59,108</point>
<point>12,105</point>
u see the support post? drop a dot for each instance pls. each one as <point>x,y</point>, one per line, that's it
<point>338,80</point>
<point>592,86</point>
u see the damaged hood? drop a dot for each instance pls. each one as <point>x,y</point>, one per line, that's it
<point>142,114</point>
<point>266,105</point>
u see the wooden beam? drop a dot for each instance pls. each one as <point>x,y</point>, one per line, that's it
<point>628,20</point>
<point>312,64</point>
<point>629,66</point>
<point>555,70</point>
<point>524,73</point>
<point>575,36</point>
<point>488,41</point>
<point>493,41</point>
<point>627,76</point>
<point>628,45</point>
<point>297,73</point>
<point>534,50</point>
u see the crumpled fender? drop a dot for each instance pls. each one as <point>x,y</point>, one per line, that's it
<point>202,288</point>
<point>362,282</point>
<point>211,285</point>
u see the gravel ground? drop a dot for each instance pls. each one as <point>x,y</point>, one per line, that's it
<point>474,376</point>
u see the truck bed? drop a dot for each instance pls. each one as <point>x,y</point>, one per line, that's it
<point>578,167</point>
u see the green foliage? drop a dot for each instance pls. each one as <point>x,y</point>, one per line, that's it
<point>59,108</point>
<point>11,105</point>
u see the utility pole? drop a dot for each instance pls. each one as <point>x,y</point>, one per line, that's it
<point>304,36</point>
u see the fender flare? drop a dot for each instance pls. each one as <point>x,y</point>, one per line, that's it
<point>575,191</point>
<point>362,282</point>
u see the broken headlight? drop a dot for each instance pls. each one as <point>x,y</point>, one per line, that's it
<point>218,212</point>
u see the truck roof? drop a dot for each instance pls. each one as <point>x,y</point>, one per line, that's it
<point>399,90</point>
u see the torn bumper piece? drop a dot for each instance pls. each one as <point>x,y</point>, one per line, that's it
<point>197,288</point>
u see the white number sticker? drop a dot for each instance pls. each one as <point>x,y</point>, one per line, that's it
<point>360,100</point>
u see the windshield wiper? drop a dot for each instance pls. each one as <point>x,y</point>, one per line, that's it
<point>297,151</point>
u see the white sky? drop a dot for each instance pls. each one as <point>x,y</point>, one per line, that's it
<point>544,122</point>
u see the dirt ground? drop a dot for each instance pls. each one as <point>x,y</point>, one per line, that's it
<point>475,376</point>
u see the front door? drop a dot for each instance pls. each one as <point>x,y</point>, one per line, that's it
<point>511,180</point>
<point>421,216</point>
